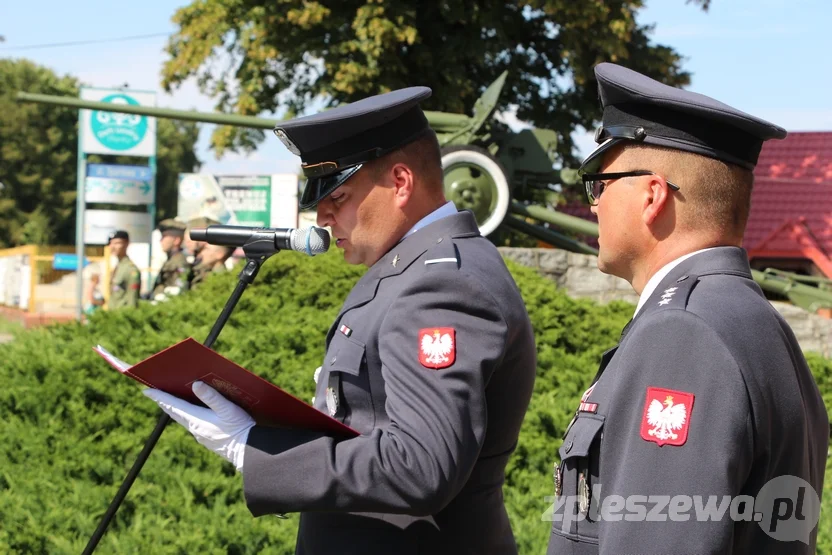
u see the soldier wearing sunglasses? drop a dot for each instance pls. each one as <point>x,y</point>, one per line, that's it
<point>707,395</point>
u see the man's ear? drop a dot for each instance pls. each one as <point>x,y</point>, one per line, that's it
<point>656,196</point>
<point>403,183</point>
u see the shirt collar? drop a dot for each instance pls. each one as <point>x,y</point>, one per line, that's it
<point>447,209</point>
<point>657,278</point>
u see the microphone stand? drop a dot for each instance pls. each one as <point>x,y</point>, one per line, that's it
<point>257,251</point>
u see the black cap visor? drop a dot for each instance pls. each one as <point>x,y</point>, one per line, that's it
<point>592,163</point>
<point>318,188</point>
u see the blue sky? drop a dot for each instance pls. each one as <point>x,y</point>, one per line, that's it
<point>771,58</point>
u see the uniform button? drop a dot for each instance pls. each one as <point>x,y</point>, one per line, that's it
<point>439,240</point>
<point>568,446</point>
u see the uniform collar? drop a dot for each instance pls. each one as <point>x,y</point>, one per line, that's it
<point>447,209</point>
<point>657,278</point>
<point>413,245</point>
<point>439,233</point>
<point>714,260</point>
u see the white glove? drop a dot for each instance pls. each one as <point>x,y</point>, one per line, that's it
<point>223,427</point>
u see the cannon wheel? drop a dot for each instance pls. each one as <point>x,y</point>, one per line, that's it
<point>475,180</point>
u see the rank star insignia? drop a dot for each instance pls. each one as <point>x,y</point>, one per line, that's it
<point>437,347</point>
<point>667,295</point>
<point>396,260</point>
<point>666,416</point>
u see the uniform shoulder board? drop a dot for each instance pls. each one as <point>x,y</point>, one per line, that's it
<point>443,253</point>
<point>676,296</point>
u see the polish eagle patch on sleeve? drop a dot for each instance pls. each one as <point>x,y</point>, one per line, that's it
<point>437,347</point>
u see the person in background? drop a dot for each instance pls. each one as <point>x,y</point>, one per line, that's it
<point>212,260</point>
<point>172,278</point>
<point>93,298</point>
<point>194,248</point>
<point>126,280</point>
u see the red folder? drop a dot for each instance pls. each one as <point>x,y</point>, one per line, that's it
<point>175,369</point>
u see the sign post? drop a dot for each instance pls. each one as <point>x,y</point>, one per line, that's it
<point>114,134</point>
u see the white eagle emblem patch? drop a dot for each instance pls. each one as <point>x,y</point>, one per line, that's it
<point>437,347</point>
<point>666,416</point>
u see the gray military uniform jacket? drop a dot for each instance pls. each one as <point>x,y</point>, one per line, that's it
<point>438,417</point>
<point>707,394</point>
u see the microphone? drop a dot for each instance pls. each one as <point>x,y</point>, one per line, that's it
<point>310,240</point>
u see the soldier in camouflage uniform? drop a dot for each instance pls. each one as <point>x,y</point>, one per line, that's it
<point>193,248</point>
<point>213,259</point>
<point>173,276</point>
<point>126,280</point>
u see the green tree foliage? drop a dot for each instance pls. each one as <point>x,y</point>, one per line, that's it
<point>38,158</point>
<point>72,426</point>
<point>255,56</point>
<point>37,154</point>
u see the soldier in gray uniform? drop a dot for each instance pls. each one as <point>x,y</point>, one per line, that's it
<point>707,396</point>
<point>432,357</point>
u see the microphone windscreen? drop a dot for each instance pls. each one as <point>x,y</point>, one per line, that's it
<point>311,240</point>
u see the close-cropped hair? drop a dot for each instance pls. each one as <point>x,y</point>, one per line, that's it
<point>713,193</point>
<point>423,156</point>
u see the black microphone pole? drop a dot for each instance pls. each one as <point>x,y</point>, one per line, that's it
<point>257,251</point>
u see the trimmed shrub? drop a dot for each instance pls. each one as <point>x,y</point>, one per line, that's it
<point>72,426</point>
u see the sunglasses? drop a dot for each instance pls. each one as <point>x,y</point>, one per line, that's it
<point>595,183</point>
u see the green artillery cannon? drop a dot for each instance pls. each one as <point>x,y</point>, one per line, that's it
<point>484,163</point>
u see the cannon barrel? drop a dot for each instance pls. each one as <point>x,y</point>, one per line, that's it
<point>206,117</point>
<point>439,121</point>
<point>563,221</point>
<point>782,283</point>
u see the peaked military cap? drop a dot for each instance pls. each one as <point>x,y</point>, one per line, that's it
<point>334,144</point>
<point>118,234</point>
<point>641,110</point>
<point>201,221</point>
<point>172,227</point>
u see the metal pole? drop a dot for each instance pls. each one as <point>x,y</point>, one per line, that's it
<point>152,210</point>
<point>79,219</point>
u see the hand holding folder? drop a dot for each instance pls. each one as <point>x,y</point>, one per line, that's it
<point>175,369</point>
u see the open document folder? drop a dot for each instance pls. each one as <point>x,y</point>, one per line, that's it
<point>175,369</point>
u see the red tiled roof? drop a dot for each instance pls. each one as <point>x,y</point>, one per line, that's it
<point>791,206</point>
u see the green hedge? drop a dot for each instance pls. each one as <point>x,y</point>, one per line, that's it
<point>72,427</point>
